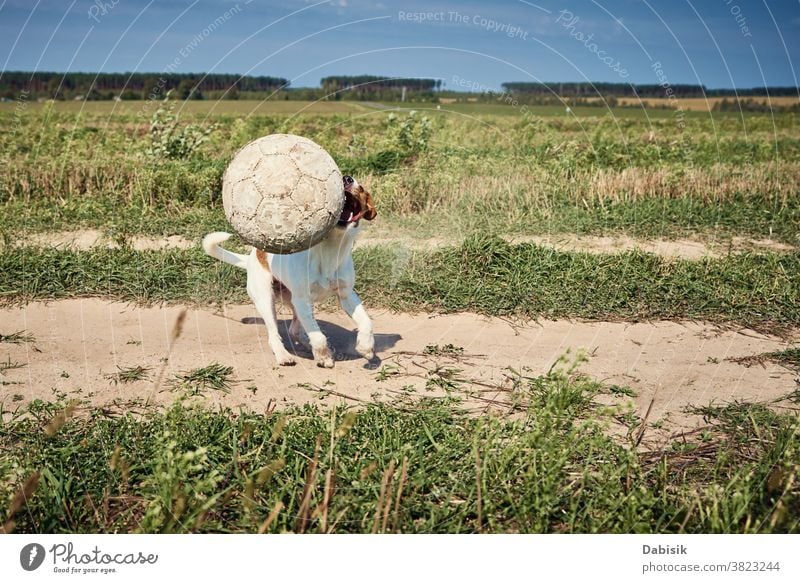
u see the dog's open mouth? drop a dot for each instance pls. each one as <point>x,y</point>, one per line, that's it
<point>351,212</point>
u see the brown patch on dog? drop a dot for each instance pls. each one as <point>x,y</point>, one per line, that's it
<point>262,259</point>
<point>280,290</point>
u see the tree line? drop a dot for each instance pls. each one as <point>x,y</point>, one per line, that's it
<point>373,87</point>
<point>633,90</point>
<point>97,86</point>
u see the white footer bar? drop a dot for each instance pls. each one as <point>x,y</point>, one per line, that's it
<point>354,558</point>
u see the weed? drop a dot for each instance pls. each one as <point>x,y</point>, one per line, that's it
<point>169,140</point>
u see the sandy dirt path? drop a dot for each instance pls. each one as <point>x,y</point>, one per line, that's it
<point>80,343</point>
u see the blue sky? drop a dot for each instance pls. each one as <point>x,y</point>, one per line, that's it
<point>720,43</point>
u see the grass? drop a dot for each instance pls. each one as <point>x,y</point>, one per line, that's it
<point>195,382</point>
<point>789,357</point>
<point>484,275</point>
<point>648,218</point>
<point>429,468</point>
<point>470,173</point>
<point>718,177</point>
<point>125,109</point>
<point>490,276</point>
<point>129,374</point>
<point>20,337</point>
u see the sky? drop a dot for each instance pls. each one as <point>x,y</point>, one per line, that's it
<point>469,45</point>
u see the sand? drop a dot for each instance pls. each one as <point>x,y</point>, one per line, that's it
<point>80,343</point>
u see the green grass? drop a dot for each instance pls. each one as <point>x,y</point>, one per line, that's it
<point>490,276</point>
<point>427,468</point>
<point>484,275</point>
<point>215,377</point>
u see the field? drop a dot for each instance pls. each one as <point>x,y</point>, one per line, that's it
<point>585,322</point>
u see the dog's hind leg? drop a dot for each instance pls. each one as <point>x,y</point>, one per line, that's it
<point>259,288</point>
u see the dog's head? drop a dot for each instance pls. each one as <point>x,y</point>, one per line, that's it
<point>357,203</point>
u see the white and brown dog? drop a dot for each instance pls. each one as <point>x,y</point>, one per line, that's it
<point>306,277</point>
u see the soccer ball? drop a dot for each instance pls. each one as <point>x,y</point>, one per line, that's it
<point>282,193</point>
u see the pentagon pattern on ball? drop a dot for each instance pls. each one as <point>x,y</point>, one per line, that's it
<point>282,193</point>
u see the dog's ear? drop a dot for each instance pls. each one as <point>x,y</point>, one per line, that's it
<point>371,211</point>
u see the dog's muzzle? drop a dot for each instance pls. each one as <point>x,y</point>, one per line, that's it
<point>351,212</point>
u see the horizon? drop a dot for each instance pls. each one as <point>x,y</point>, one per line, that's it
<point>467,89</point>
<point>730,44</point>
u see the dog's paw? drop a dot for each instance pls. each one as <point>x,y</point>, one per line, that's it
<point>324,357</point>
<point>328,363</point>
<point>366,347</point>
<point>286,360</point>
<point>325,362</point>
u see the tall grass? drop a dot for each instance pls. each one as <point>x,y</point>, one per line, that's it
<point>427,468</point>
<point>428,164</point>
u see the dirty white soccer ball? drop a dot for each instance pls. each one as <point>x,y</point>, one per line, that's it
<point>282,193</point>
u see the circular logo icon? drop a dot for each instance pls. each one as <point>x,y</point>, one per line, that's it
<point>31,556</point>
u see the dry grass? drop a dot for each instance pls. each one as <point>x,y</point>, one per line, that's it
<point>414,193</point>
<point>718,183</point>
<point>704,104</point>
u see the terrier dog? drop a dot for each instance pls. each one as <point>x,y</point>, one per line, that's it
<point>306,277</point>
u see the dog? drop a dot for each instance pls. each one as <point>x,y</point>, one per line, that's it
<point>306,277</point>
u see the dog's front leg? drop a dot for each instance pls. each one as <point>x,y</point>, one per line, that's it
<point>365,341</point>
<point>318,341</point>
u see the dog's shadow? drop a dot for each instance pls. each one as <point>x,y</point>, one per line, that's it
<point>342,340</point>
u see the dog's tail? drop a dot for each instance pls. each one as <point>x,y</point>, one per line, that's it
<point>211,245</point>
